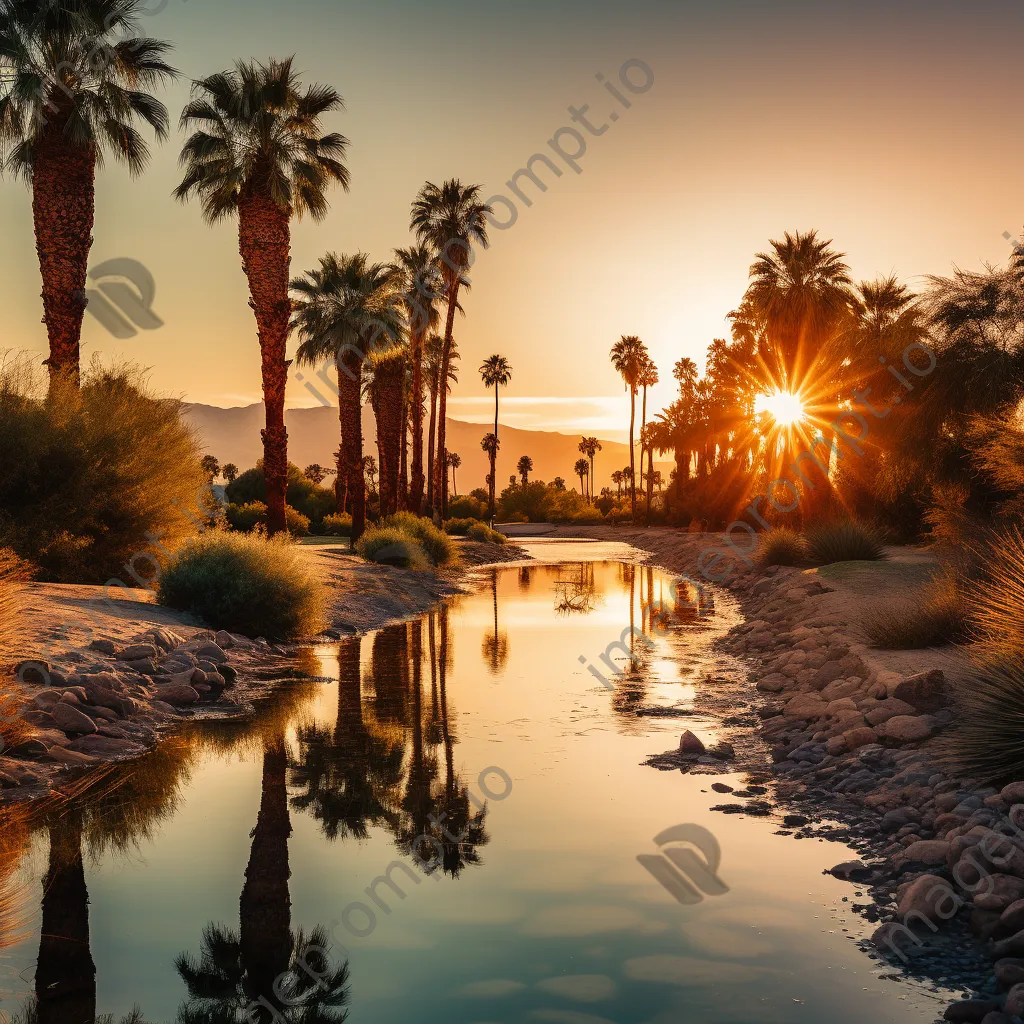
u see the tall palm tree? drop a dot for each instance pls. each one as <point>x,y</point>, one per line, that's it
<point>582,469</point>
<point>387,377</point>
<point>73,81</point>
<point>344,310</point>
<point>617,480</point>
<point>495,372</point>
<point>432,358</point>
<point>451,219</point>
<point>627,356</point>
<point>421,289</point>
<point>524,467</point>
<point>454,460</point>
<point>258,152</point>
<point>491,444</point>
<point>647,379</point>
<point>590,446</point>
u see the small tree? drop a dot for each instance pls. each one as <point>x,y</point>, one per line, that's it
<point>524,467</point>
<point>211,467</point>
<point>229,471</point>
<point>454,460</point>
<point>370,472</point>
<point>617,479</point>
<point>558,483</point>
<point>582,468</point>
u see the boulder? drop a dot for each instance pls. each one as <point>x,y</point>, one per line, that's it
<point>970,1011</point>
<point>1011,920</point>
<point>1013,946</point>
<point>228,674</point>
<point>1009,972</point>
<point>828,673</point>
<point>211,652</point>
<point>930,852</point>
<point>927,896</point>
<point>137,652</point>
<point>774,683</point>
<point>856,738</point>
<point>905,729</point>
<point>1000,892</point>
<point>925,691</point>
<point>806,706</point>
<point>1015,1000</point>
<point>886,709</point>
<point>1013,793</point>
<point>71,720</point>
<point>838,688</point>
<point>35,673</point>
<point>178,694</point>
<point>224,639</point>
<point>103,646</point>
<point>68,757</point>
<point>52,737</point>
<point>101,697</point>
<point>848,869</point>
<point>690,744</point>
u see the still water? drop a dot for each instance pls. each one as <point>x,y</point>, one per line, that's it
<point>471,757</point>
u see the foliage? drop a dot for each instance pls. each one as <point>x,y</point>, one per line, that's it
<point>437,545</point>
<point>939,616</point>
<point>337,525</point>
<point>781,547</point>
<point>302,494</point>
<point>96,478</point>
<point>253,515</point>
<point>246,584</point>
<point>468,506</point>
<point>14,574</point>
<point>844,541</point>
<point>459,527</point>
<point>483,534</point>
<point>391,546</point>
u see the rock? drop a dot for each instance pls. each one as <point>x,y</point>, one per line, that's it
<point>721,787</point>
<point>828,672</point>
<point>144,666</point>
<point>1001,891</point>
<point>806,706</point>
<point>970,1011</point>
<point>690,744</point>
<point>137,652</point>
<point>722,751</point>
<point>45,699</point>
<point>101,697</point>
<point>840,688</point>
<point>995,1017</point>
<point>167,709</point>
<point>1013,793</point>
<point>893,937</point>
<point>224,639</point>
<point>1009,972</point>
<point>180,694</point>
<point>52,737</point>
<point>36,716</point>
<point>35,673</point>
<point>1011,920</point>
<point>927,896</point>
<point>861,737</point>
<point>71,720</point>
<point>930,852</point>
<point>774,683</point>
<point>30,750</point>
<point>848,869</point>
<point>106,746</point>
<point>925,691</point>
<point>1013,946</point>
<point>68,757</point>
<point>905,729</point>
<point>103,646</point>
<point>1015,1000</point>
<point>886,709</point>
<point>211,652</point>
<point>228,674</point>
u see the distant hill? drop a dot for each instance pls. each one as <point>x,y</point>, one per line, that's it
<point>233,435</point>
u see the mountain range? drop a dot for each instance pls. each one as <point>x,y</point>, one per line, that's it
<point>233,435</point>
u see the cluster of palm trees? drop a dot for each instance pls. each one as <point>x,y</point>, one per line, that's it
<point>77,78</point>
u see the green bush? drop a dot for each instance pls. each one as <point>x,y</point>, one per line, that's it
<point>439,547</point>
<point>253,515</point>
<point>391,546</point>
<point>335,525</point>
<point>781,546</point>
<point>466,506</point>
<point>940,616</point>
<point>96,478</point>
<point>246,584</point>
<point>483,534</point>
<point>459,527</point>
<point>310,499</point>
<point>846,541</point>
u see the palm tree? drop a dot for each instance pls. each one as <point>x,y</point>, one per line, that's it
<point>590,446</point>
<point>628,355</point>
<point>387,376</point>
<point>454,460</point>
<point>230,472</point>
<point>647,379</point>
<point>421,288</point>
<point>558,483</point>
<point>433,353</point>
<point>370,472</point>
<point>451,219</point>
<point>258,151</point>
<point>315,472</point>
<point>495,372</point>
<point>513,481</point>
<point>617,480</point>
<point>582,469</point>
<point>524,467</point>
<point>342,310</point>
<point>73,77</point>
<point>491,444</point>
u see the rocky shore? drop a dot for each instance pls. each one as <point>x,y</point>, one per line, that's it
<point>852,753</point>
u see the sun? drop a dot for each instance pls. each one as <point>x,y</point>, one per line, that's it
<point>784,407</point>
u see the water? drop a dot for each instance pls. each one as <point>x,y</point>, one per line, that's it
<point>229,851</point>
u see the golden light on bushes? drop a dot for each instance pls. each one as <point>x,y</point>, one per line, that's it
<point>786,408</point>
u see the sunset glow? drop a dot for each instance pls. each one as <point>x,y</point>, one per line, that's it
<point>784,407</point>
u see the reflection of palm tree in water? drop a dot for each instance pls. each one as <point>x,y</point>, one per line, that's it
<point>348,778</point>
<point>575,589</point>
<point>495,644</point>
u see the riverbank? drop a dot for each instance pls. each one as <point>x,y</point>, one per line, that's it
<point>852,743</point>
<point>105,673</point>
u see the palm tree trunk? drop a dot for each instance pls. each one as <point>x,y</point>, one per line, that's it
<point>592,476</point>
<point>403,462</point>
<point>431,444</point>
<point>341,476</point>
<point>441,455</point>
<point>265,904</point>
<point>416,473</point>
<point>63,210</point>
<point>388,409</point>
<point>650,481</point>
<point>632,452</point>
<point>264,242</point>
<point>65,972</point>
<point>350,413</point>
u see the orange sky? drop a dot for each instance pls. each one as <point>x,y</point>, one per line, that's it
<point>892,128</point>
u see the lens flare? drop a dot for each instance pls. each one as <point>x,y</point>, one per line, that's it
<point>784,407</point>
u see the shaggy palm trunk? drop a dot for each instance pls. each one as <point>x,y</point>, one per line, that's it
<point>264,241</point>
<point>65,972</point>
<point>491,481</point>
<point>265,905</point>
<point>63,208</point>
<point>350,412</point>
<point>643,425</point>
<point>632,453</point>
<point>416,478</point>
<point>390,375</point>
<point>650,481</point>
<point>441,455</point>
<point>341,476</point>
<point>592,476</point>
<point>432,441</point>
<point>403,472</point>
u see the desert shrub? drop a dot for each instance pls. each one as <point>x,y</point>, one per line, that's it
<point>466,506</point>
<point>845,541</point>
<point>310,499</point>
<point>619,514</point>
<point>517,517</point>
<point>391,546</point>
<point>459,527</point>
<point>996,593</point>
<point>246,584</point>
<point>483,534</point>
<point>530,502</point>
<point>97,477</point>
<point>295,522</point>
<point>781,546</point>
<point>437,545</point>
<point>335,525</point>
<point>568,507</point>
<point>14,574</point>
<point>252,516</point>
<point>941,615</point>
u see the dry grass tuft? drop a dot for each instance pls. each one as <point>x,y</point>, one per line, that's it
<point>781,546</point>
<point>939,616</point>
<point>846,541</point>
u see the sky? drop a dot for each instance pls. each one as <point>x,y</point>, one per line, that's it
<point>890,127</point>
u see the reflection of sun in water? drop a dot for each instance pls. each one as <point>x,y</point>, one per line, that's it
<point>783,407</point>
